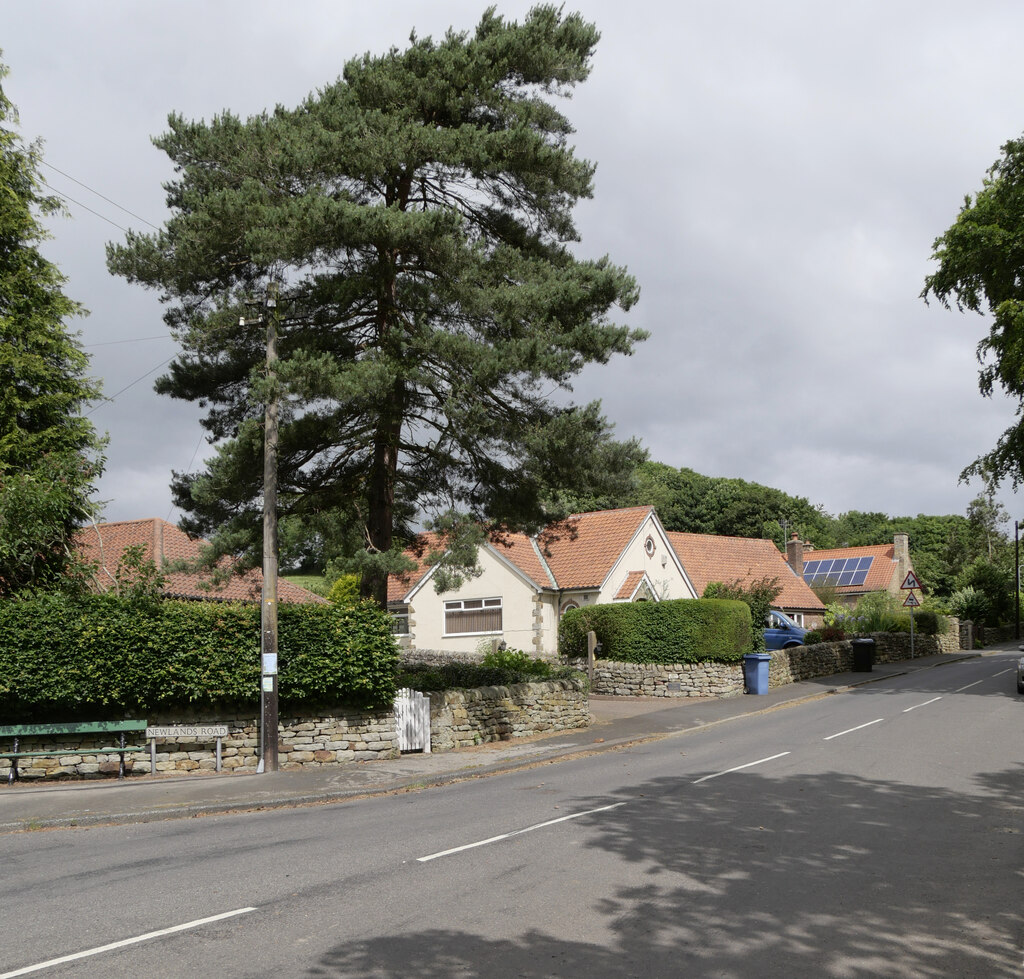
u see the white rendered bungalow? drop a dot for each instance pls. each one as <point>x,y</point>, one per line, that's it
<point>526,583</point>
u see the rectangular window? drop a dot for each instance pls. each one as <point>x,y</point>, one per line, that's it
<point>399,620</point>
<point>472,617</point>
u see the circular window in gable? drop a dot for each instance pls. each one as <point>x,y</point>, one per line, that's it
<point>649,546</point>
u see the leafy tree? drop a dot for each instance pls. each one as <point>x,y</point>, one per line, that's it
<point>50,455</point>
<point>981,268</point>
<point>759,596</point>
<point>418,212</point>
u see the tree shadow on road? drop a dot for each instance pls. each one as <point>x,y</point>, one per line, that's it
<point>812,875</point>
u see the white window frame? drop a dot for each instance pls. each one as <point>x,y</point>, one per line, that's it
<point>475,605</point>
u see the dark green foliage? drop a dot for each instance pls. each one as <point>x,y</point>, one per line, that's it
<point>995,583</point>
<point>813,637</point>
<point>759,596</point>
<point>50,455</point>
<point>928,623</point>
<point>981,269</point>
<point>421,207</point>
<point>677,631</point>
<point>502,671</point>
<point>63,656</point>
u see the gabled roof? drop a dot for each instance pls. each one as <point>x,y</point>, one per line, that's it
<point>162,542</point>
<point>879,576</point>
<point>584,553</point>
<point>708,557</point>
<point>578,553</point>
<point>631,585</point>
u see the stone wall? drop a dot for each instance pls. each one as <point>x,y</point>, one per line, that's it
<point>787,666</point>
<point>667,679</point>
<point>458,718</point>
<point>462,718</point>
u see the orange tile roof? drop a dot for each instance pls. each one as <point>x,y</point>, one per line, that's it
<point>587,545</point>
<point>708,557</point>
<point>163,542</point>
<point>576,553</point>
<point>630,585</point>
<point>400,585</point>
<point>880,574</point>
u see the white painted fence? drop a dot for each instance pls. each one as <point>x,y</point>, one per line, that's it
<point>412,718</point>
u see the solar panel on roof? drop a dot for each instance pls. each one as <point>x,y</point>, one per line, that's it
<point>851,571</point>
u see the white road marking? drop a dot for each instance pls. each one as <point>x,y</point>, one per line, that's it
<point>925,704</point>
<point>969,685</point>
<point>738,768</point>
<point>849,730</point>
<point>127,941</point>
<point>1001,672</point>
<point>516,832</point>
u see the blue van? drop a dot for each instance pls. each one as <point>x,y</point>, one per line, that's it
<point>781,632</point>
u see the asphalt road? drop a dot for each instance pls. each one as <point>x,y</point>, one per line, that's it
<point>873,833</point>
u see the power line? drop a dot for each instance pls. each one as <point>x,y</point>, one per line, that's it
<point>113,397</point>
<point>98,194</point>
<point>110,343</point>
<point>71,200</point>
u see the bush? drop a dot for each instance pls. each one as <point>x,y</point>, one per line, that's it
<point>466,676</point>
<point>685,630</point>
<point>812,638</point>
<point>100,656</point>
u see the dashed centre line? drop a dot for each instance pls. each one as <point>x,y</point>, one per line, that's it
<point>124,942</point>
<point>850,730</point>
<point>516,832</point>
<point>925,704</point>
<point>739,768</point>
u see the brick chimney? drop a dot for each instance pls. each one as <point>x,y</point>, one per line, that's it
<point>795,554</point>
<point>901,554</point>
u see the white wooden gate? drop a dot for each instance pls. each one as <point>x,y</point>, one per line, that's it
<point>412,718</point>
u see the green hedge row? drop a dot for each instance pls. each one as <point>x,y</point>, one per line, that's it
<point>677,631</point>
<point>63,657</point>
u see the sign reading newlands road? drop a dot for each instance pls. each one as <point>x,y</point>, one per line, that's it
<point>188,731</point>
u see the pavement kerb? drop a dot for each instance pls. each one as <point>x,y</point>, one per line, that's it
<point>426,780</point>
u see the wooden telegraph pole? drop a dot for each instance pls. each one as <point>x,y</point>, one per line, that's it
<point>268,617</point>
<point>270,317</point>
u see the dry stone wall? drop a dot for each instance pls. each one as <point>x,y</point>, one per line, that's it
<point>787,666</point>
<point>458,718</point>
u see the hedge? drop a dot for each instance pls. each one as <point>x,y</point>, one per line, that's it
<point>685,630</point>
<point>63,657</point>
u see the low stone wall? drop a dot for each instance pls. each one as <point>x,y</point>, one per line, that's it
<point>458,718</point>
<point>667,679</point>
<point>462,718</point>
<point>787,666</point>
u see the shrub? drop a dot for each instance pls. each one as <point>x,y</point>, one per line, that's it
<point>344,591</point>
<point>462,676</point>
<point>64,656</point>
<point>516,661</point>
<point>759,596</point>
<point>812,638</point>
<point>684,630</point>
<point>970,604</point>
<point>832,633</point>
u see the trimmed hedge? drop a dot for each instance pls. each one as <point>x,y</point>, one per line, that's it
<point>684,630</point>
<point>101,656</point>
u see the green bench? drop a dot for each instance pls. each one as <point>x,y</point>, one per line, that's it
<point>118,728</point>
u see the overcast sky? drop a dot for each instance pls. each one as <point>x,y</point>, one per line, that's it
<point>773,174</point>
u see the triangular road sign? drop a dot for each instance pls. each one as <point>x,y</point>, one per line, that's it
<point>912,601</point>
<point>911,581</point>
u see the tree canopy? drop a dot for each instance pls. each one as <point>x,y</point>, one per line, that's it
<point>418,215</point>
<point>981,268</point>
<point>50,455</point>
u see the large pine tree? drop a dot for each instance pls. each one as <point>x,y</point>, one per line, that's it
<point>418,213</point>
<point>50,455</point>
